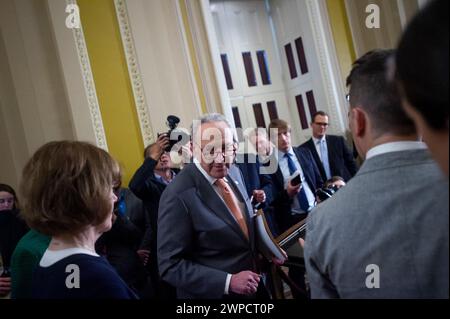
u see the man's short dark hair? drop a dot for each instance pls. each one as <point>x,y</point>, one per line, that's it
<point>333,180</point>
<point>371,90</point>
<point>321,113</point>
<point>422,64</point>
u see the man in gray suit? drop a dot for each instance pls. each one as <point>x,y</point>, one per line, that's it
<point>206,235</point>
<point>385,234</point>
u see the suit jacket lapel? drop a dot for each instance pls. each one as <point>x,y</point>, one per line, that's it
<point>317,158</point>
<point>331,151</point>
<point>279,178</point>
<point>215,203</point>
<point>154,179</point>
<point>306,169</point>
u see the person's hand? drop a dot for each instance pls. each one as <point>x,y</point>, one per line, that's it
<point>5,285</point>
<point>158,148</point>
<point>144,255</point>
<point>259,195</point>
<point>301,241</point>
<point>186,153</point>
<point>279,262</point>
<point>244,283</point>
<point>293,190</point>
<point>318,200</point>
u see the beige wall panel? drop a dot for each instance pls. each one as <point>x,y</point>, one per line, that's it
<point>163,60</point>
<point>34,107</point>
<point>13,146</point>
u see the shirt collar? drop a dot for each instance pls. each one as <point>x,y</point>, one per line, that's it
<point>282,154</point>
<point>162,180</point>
<point>395,147</point>
<point>317,140</point>
<point>208,177</point>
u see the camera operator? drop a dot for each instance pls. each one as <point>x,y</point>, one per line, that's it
<point>148,183</point>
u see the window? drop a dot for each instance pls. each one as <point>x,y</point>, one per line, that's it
<point>226,71</point>
<point>263,67</point>
<point>249,70</point>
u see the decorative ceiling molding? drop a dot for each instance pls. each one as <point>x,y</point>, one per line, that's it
<point>134,72</point>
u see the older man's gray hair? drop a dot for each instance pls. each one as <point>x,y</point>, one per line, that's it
<point>208,118</point>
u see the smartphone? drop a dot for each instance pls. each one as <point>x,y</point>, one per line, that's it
<point>296,179</point>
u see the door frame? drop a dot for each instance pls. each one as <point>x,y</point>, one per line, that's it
<point>327,56</point>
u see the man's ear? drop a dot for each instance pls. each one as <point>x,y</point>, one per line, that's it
<point>359,118</point>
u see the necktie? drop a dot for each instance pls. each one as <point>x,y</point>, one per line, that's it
<point>232,203</point>
<point>324,155</point>
<point>302,199</point>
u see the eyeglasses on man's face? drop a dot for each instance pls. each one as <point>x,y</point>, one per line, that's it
<point>211,152</point>
<point>321,124</point>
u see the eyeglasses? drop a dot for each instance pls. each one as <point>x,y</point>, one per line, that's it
<point>211,152</point>
<point>322,124</point>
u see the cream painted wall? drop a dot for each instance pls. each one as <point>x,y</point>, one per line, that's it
<point>163,58</point>
<point>202,54</point>
<point>394,16</point>
<point>33,104</point>
<point>13,144</point>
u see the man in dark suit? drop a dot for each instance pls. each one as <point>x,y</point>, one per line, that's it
<point>258,184</point>
<point>330,152</point>
<point>292,203</point>
<point>206,235</point>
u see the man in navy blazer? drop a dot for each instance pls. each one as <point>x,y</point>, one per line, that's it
<point>291,203</point>
<point>330,152</point>
<point>257,182</point>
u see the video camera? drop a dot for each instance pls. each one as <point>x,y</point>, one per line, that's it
<point>326,192</point>
<point>173,134</point>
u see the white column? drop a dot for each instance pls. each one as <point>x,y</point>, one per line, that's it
<point>218,71</point>
<point>328,63</point>
<point>77,76</point>
<point>164,62</point>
